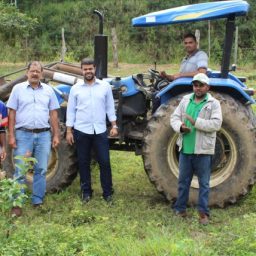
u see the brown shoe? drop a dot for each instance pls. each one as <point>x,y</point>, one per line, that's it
<point>182,214</point>
<point>16,211</point>
<point>203,218</point>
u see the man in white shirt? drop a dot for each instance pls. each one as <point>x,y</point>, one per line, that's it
<point>88,105</point>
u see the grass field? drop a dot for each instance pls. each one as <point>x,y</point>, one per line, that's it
<point>139,222</point>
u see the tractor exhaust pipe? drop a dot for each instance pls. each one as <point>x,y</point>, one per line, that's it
<point>101,50</point>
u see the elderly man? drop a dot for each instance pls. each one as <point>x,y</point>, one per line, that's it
<point>197,119</point>
<point>32,113</point>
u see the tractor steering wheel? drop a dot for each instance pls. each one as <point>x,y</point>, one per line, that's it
<point>155,74</point>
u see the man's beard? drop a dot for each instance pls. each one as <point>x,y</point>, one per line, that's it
<point>200,96</point>
<point>89,77</point>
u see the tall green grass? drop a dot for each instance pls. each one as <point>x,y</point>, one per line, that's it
<point>140,222</point>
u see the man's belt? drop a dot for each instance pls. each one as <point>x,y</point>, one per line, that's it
<point>34,130</point>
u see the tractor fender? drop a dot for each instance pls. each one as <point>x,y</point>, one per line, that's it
<point>227,85</point>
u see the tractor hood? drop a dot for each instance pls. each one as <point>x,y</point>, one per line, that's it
<point>195,12</point>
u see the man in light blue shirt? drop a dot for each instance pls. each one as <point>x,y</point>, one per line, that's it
<point>88,105</point>
<point>32,113</point>
<point>196,61</point>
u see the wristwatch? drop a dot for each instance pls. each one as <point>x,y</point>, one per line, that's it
<point>115,126</point>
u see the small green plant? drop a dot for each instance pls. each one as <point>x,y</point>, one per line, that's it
<point>10,190</point>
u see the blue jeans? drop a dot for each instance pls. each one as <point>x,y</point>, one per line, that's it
<point>84,144</point>
<point>200,165</point>
<point>39,144</point>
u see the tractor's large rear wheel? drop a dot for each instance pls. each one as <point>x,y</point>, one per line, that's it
<point>234,168</point>
<point>62,166</point>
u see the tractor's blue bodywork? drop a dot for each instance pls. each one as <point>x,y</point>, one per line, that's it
<point>231,85</point>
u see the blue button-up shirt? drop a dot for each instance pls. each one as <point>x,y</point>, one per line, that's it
<point>198,59</point>
<point>88,106</point>
<point>32,105</point>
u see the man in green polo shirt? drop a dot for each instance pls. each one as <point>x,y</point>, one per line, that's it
<point>197,119</point>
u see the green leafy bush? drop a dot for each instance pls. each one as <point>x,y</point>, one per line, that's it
<point>10,191</point>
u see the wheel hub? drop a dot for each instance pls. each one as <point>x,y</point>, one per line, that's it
<point>223,163</point>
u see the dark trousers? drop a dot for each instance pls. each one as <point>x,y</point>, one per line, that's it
<point>99,142</point>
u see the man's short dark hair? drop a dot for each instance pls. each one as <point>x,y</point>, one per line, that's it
<point>87,61</point>
<point>190,35</point>
<point>35,62</point>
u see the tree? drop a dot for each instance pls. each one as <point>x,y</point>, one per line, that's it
<point>14,24</point>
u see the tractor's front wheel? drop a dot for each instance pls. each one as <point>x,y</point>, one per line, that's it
<point>234,169</point>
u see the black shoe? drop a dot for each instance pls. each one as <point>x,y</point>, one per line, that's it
<point>86,198</point>
<point>38,205</point>
<point>108,199</point>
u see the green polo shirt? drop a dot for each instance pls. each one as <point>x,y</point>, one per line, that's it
<point>193,109</point>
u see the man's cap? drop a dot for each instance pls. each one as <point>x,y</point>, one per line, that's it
<point>202,78</point>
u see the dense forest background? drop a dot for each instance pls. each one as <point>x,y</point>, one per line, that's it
<point>31,29</point>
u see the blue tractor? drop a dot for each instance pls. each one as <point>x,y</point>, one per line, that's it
<point>144,103</point>
<point>234,170</point>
